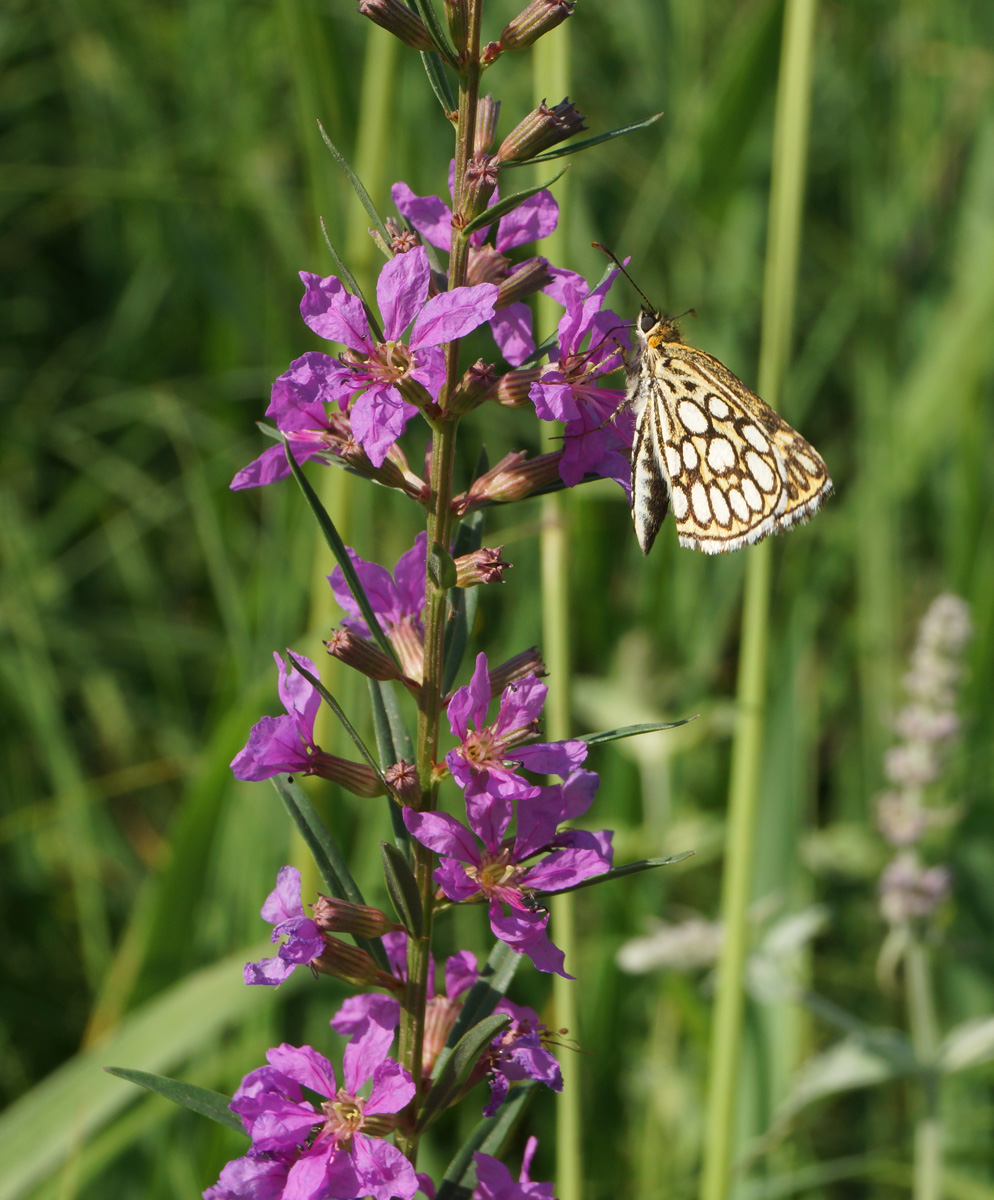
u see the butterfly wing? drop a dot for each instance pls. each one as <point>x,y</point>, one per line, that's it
<point>650,480</point>
<point>736,471</point>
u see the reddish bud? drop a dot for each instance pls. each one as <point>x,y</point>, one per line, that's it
<point>532,22</point>
<point>514,387</point>
<point>357,778</point>
<point>474,387</point>
<point>487,112</point>
<point>480,181</point>
<point>402,779</point>
<point>481,566</point>
<point>332,915</point>
<point>528,662</point>
<point>513,478</point>
<point>398,19</point>
<point>542,128</point>
<point>527,279</point>
<point>361,654</point>
<point>353,965</point>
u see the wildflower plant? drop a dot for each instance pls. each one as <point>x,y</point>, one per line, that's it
<point>481,805</point>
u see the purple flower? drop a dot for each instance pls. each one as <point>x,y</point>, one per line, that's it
<point>520,1052</point>
<point>283,745</point>
<point>371,370</point>
<point>398,601</point>
<point>498,872</point>
<point>494,1180</point>
<point>334,1146</point>
<point>283,909</point>
<point>254,1177</point>
<point>535,219</point>
<point>487,757</point>
<point>297,404</point>
<point>593,443</point>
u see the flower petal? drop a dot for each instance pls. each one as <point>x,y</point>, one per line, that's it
<point>401,290</point>
<point>444,834</point>
<point>536,218</point>
<point>334,313</point>
<point>431,217</point>
<point>512,330</point>
<point>453,314</point>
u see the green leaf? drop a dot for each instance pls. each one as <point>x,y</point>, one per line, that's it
<point>967,1045</point>
<point>633,868</point>
<point>463,601</point>
<point>508,204</point>
<point>484,996</point>
<point>575,147</point>
<point>429,18</point>
<point>457,1067</point>
<point>337,547</point>
<point>360,191</point>
<point>441,567</point>
<point>339,712</point>
<point>328,857</point>
<point>490,1137</point>
<point>614,735</point>
<point>199,1099</point>
<point>388,727</point>
<point>432,63</point>
<point>403,889</point>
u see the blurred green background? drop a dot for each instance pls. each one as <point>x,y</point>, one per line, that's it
<point>161,183</point>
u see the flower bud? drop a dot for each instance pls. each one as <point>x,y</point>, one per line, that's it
<point>481,566</point>
<point>487,112</point>
<point>333,915</point>
<point>393,473</point>
<point>527,279</point>
<point>528,662</point>
<point>513,478</point>
<point>354,965</point>
<point>542,128</point>
<point>457,16</point>
<point>909,891</point>
<point>474,387</point>
<point>441,1014</point>
<point>357,778</point>
<point>361,654</point>
<point>398,19</point>
<point>402,779</point>
<point>532,22</point>
<point>402,239</point>
<point>481,179</point>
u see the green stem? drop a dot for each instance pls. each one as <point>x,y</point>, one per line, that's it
<point>439,531</point>
<point>786,206</point>
<point>927,1183</point>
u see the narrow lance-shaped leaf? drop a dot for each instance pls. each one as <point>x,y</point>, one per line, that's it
<point>381,694</point>
<point>429,18</point>
<point>337,547</point>
<point>508,204</point>
<point>626,731</point>
<point>403,890</point>
<point>645,864</point>
<point>458,1065</point>
<point>432,63</point>
<point>339,712</point>
<point>484,996</point>
<point>199,1099</point>
<point>490,1136</point>
<point>360,191</point>
<point>573,147</point>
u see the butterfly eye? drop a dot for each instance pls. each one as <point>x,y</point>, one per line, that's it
<point>647,320</point>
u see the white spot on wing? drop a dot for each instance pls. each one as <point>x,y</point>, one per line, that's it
<point>699,499</point>
<point>718,407</point>
<point>719,505</point>
<point>721,456</point>
<point>751,493</point>
<point>689,456</point>
<point>679,501</point>
<point>739,506</point>
<point>755,438</point>
<point>692,416</point>
<point>760,471</point>
<point>672,461</point>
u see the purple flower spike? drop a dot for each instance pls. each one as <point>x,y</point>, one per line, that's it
<point>487,757</point>
<point>397,600</point>
<point>536,218</point>
<point>373,369</point>
<point>593,442</point>
<point>497,870</point>
<point>283,745</point>
<point>329,1151</point>
<point>284,911</point>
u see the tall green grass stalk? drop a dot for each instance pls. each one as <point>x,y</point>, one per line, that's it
<point>551,60</point>
<point>786,203</point>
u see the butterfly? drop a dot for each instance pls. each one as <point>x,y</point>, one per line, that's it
<point>708,448</point>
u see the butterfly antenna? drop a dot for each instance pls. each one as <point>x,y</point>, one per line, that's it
<point>614,258</point>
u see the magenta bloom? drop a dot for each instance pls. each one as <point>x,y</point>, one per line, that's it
<point>284,910</point>
<point>398,601</point>
<point>494,1180</point>
<point>283,745</point>
<point>298,406</point>
<point>535,219</point>
<point>480,863</point>
<point>254,1177</point>
<point>487,757</point>
<point>370,370</point>
<point>568,390</point>
<point>334,1146</point>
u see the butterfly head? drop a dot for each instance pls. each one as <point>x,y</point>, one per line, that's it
<point>653,328</point>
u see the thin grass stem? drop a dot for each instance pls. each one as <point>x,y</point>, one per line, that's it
<point>786,203</point>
